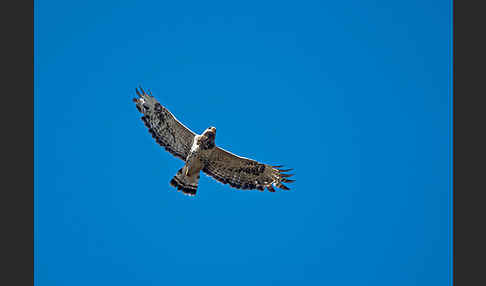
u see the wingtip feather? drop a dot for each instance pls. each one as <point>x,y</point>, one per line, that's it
<point>282,186</point>
<point>286,175</point>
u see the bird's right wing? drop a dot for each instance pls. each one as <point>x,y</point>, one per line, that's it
<point>243,173</point>
<point>164,127</point>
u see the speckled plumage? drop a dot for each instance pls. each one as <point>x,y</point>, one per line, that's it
<point>200,153</point>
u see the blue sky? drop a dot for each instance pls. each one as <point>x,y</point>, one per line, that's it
<point>354,95</point>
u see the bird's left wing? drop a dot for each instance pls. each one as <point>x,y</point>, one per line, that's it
<point>164,127</point>
<point>244,173</point>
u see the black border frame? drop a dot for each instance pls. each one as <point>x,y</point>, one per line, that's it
<point>468,144</point>
<point>17,139</point>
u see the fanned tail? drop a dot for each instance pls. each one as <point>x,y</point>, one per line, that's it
<point>185,184</point>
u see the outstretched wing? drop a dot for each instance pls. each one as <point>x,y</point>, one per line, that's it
<point>164,127</point>
<point>244,173</point>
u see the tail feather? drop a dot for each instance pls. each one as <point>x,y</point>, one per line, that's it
<point>186,184</point>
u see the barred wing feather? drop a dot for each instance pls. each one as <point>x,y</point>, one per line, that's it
<point>244,173</point>
<point>164,127</point>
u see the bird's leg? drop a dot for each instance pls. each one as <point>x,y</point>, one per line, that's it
<point>189,170</point>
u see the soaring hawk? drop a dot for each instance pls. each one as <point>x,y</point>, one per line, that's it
<point>199,152</point>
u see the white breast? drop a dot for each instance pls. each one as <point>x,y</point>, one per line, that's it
<point>195,146</point>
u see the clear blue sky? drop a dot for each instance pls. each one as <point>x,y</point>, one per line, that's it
<point>354,95</point>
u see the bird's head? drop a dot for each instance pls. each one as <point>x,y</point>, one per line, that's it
<point>209,135</point>
<point>210,132</point>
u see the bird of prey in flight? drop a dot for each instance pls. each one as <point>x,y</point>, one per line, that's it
<point>200,153</point>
